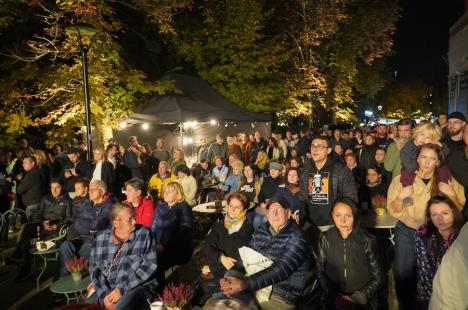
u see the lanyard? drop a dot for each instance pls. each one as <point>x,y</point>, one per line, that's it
<point>114,260</point>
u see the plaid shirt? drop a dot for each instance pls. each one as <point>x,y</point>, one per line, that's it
<point>133,266</point>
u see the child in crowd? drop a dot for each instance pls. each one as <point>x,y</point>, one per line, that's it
<point>424,133</point>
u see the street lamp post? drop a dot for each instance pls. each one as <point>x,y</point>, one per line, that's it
<point>81,30</point>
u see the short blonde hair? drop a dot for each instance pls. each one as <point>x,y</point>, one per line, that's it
<point>238,164</point>
<point>432,130</point>
<point>40,156</point>
<point>178,188</point>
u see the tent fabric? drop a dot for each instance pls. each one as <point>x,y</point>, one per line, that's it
<point>198,101</point>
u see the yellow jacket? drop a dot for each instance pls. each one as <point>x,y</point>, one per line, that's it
<point>415,215</point>
<point>157,183</point>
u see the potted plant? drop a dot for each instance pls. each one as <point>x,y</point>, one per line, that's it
<point>76,266</point>
<point>379,204</point>
<point>176,297</point>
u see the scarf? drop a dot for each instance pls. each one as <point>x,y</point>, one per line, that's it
<point>234,224</point>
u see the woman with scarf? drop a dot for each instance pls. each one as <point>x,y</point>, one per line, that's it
<point>290,191</point>
<point>222,245</point>
<point>433,239</point>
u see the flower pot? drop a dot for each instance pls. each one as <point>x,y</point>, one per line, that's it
<point>76,276</point>
<point>380,211</point>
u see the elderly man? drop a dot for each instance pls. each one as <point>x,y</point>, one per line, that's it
<point>123,263</point>
<point>280,240</point>
<point>90,216</point>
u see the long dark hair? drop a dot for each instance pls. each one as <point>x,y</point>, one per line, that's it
<point>435,244</point>
<point>435,178</point>
<point>359,233</point>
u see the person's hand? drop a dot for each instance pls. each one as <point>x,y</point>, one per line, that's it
<point>405,192</point>
<point>295,217</point>
<point>90,289</point>
<point>236,286</point>
<point>114,296</point>
<point>9,179</point>
<point>19,177</point>
<point>206,270</point>
<point>108,305</point>
<point>53,227</point>
<point>67,174</point>
<point>159,248</point>
<point>401,143</point>
<point>347,298</point>
<point>73,172</point>
<point>447,189</point>
<point>228,262</point>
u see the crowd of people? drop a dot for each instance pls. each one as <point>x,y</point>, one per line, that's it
<point>293,206</point>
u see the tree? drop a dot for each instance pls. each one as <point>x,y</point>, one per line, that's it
<point>229,49</point>
<point>41,84</point>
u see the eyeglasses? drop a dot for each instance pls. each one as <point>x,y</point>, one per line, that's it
<point>236,208</point>
<point>277,211</point>
<point>319,147</point>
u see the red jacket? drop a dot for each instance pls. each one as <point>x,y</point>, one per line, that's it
<point>144,212</point>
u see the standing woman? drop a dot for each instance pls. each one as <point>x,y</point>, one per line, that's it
<point>349,270</point>
<point>443,223</point>
<point>409,207</point>
<point>103,169</point>
<point>172,229</point>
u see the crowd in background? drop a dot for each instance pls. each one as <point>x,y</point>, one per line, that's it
<point>294,198</point>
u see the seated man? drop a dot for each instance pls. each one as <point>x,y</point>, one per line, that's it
<point>53,212</point>
<point>281,241</point>
<point>123,263</point>
<point>90,216</point>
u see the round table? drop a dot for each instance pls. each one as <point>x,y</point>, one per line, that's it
<point>46,256</point>
<point>208,207</point>
<point>385,221</point>
<point>67,286</point>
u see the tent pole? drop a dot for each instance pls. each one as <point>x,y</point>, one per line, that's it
<point>182,135</point>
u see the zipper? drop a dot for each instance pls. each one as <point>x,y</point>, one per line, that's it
<point>344,258</point>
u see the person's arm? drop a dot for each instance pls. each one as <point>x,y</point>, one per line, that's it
<point>321,266</point>
<point>424,268</point>
<point>391,157</point>
<point>148,213</point>
<point>37,215</point>
<point>347,184</point>
<point>96,270</point>
<point>289,261</point>
<point>376,282</point>
<point>394,200</point>
<point>26,184</point>
<point>408,156</point>
<point>147,268</point>
<point>212,249</point>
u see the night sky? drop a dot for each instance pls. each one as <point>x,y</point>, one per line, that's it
<point>421,40</point>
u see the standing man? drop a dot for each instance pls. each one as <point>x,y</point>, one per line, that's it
<point>381,139</point>
<point>132,157</point>
<point>257,144</point>
<point>76,168</point>
<point>32,186</point>
<point>217,148</point>
<point>455,124</point>
<point>322,182</point>
<point>202,151</point>
<point>392,161</point>
<point>160,152</point>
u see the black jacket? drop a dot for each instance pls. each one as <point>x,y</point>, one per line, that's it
<point>219,241</point>
<point>107,174</point>
<point>83,169</point>
<point>269,188</point>
<point>350,267</point>
<point>54,209</point>
<point>342,185</point>
<point>367,156</point>
<point>32,187</point>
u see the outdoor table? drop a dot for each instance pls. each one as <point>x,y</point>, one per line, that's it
<point>385,221</point>
<point>67,286</point>
<point>45,255</point>
<point>208,207</point>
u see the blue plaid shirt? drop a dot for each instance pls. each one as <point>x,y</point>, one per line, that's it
<point>135,265</point>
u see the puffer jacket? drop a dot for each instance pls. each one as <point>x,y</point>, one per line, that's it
<point>289,252</point>
<point>88,217</point>
<point>54,209</point>
<point>349,267</point>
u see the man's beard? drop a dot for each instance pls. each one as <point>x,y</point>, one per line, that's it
<point>454,133</point>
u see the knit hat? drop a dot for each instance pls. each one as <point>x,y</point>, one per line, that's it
<point>457,115</point>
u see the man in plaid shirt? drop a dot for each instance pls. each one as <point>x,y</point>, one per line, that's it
<point>123,263</point>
